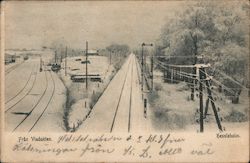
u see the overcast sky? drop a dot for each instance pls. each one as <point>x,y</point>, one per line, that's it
<point>36,24</point>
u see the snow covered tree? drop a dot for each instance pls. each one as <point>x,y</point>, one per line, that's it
<point>219,31</point>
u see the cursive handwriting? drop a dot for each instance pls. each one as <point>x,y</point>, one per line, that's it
<point>160,139</point>
<point>204,149</point>
<point>27,147</point>
<point>140,146</point>
<point>86,138</point>
<point>170,151</point>
<point>145,152</point>
<point>96,149</point>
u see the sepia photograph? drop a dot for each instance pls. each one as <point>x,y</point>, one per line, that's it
<point>126,67</point>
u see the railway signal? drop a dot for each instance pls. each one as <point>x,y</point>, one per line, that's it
<point>142,62</point>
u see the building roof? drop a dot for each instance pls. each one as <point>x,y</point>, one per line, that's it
<point>91,51</point>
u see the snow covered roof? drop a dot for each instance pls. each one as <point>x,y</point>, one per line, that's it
<point>91,51</point>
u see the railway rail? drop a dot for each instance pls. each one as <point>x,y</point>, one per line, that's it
<point>9,70</point>
<point>130,98</point>
<point>31,125</point>
<point>119,100</point>
<point>19,93</point>
<point>25,85</point>
<point>35,104</point>
<point>51,97</point>
<point>129,84</point>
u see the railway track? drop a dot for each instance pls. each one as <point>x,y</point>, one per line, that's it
<point>104,89</point>
<point>32,109</point>
<point>9,70</point>
<point>116,110</point>
<point>19,93</point>
<point>130,98</point>
<point>30,125</point>
<point>119,100</point>
<point>21,90</point>
<point>51,97</point>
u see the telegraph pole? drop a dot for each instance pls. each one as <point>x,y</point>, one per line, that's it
<point>152,72</point>
<point>41,64</point>
<point>86,65</point>
<point>110,57</point>
<point>201,76</point>
<point>142,65</point>
<point>120,57</point>
<point>65,65</point>
<point>194,80</point>
<point>55,55</point>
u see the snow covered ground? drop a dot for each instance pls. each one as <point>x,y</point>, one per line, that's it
<point>11,66</point>
<point>120,108</point>
<point>48,101</point>
<point>173,110</point>
<point>33,99</point>
<point>97,65</point>
<point>79,100</point>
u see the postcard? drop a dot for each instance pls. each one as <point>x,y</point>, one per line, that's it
<point>125,81</point>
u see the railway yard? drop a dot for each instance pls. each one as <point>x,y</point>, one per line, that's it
<point>39,99</point>
<point>32,98</point>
